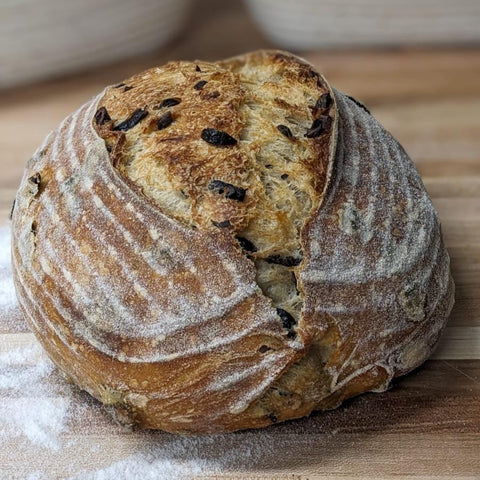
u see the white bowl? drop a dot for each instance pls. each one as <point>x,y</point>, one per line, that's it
<point>41,38</point>
<point>310,24</point>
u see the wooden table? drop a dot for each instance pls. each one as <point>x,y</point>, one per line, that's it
<point>428,425</point>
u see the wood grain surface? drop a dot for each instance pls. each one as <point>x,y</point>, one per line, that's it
<point>428,425</point>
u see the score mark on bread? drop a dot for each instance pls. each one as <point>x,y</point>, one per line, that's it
<point>236,244</point>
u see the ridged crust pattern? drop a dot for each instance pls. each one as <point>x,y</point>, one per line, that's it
<point>166,323</point>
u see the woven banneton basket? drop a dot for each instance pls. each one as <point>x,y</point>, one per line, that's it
<point>309,24</point>
<point>43,38</point>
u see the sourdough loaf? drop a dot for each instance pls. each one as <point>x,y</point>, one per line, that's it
<point>210,247</point>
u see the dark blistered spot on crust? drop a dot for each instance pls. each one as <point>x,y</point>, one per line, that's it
<point>102,116</point>
<point>218,138</point>
<point>284,130</point>
<point>246,244</point>
<point>165,120</point>
<point>138,115</point>
<point>231,191</point>
<point>285,261</point>
<point>119,85</point>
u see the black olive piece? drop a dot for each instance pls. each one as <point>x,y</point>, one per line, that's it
<point>102,116</point>
<point>288,321</point>
<point>268,166</point>
<point>285,261</point>
<point>35,179</point>
<point>218,137</point>
<point>138,115</point>
<point>199,85</point>
<point>165,120</point>
<point>127,88</point>
<point>222,224</point>
<point>324,101</point>
<point>284,176</point>
<point>360,104</point>
<point>197,68</point>
<point>319,125</point>
<point>284,130</point>
<point>264,349</point>
<point>169,102</point>
<point>231,191</point>
<point>273,417</point>
<point>246,244</point>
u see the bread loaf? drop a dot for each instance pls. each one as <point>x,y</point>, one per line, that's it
<point>210,247</point>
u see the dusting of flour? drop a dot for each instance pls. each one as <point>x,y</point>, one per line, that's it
<point>28,408</point>
<point>48,422</point>
<point>7,293</point>
<point>187,457</point>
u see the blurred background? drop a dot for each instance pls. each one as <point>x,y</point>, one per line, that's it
<point>46,38</point>
<point>415,63</point>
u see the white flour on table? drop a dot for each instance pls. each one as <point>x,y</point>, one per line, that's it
<point>30,408</point>
<point>7,293</point>
<point>41,415</point>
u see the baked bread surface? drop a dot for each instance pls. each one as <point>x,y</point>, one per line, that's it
<point>217,246</point>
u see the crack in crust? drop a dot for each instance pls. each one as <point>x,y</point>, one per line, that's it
<point>255,174</point>
<point>255,117</point>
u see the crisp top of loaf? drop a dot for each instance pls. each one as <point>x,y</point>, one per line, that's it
<point>263,109</point>
<point>240,146</point>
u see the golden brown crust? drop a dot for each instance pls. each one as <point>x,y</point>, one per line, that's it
<point>157,311</point>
